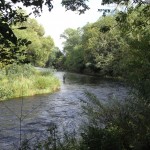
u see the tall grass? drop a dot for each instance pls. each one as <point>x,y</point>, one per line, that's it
<point>25,80</point>
<point>116,125</point>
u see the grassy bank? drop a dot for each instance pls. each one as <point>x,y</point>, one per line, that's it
<point>25,80</point>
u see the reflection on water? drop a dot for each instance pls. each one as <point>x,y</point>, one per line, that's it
<point>62,107</point>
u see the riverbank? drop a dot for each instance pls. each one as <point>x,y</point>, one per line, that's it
<point>17,81</point>
<point>99,75</point>
<point>63,108</point>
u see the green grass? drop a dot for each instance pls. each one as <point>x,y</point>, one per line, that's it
<point>18,81</point>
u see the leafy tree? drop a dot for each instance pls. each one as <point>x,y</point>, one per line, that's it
<point>102,46</point>
<point>93,49</point>
<point>136,32</point>
<point>56,59</point>
<point>9,16</point>
<point>33,25</point>
<point>114,44</point>
<point>10,53</point>
<point>41,46</point>
<point>73,49</point>
<point>12,49</point>
<point>72,38</point>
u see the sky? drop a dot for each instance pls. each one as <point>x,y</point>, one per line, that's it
<point>56,21</point>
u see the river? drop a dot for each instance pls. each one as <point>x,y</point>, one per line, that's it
<point>62,108</point>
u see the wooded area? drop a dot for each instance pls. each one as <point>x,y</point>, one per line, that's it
<point>117,46</point>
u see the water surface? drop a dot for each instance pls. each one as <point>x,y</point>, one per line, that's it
<point>62,108</point>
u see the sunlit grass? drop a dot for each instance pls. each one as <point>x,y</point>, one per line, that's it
<point>14,85</point>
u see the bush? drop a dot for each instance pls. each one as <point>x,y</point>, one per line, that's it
<point>25,70</point>
<point>101,139</point>
<point>117,125</point>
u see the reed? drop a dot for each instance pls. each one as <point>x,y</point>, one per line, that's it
<point>24,80</point>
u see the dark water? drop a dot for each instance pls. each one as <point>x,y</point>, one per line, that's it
<point>62,108</point>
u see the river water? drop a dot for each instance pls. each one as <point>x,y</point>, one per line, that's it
<point>62,108</point>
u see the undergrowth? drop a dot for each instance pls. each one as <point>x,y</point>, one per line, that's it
<point>25,80</point>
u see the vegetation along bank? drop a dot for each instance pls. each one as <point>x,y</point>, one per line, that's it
<point>25,80</point>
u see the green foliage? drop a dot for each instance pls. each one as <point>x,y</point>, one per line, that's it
<point>11,53</point>
<point>39,50</point>
<point>43,82</point>
<point>10,15</point>
<point>136,32</point>
<point>73,50</point>
<point>15,70</point>
<point>117,125</point>
<point>12,48</point>
<point>100,48</point>
<point>15,29</point>
<point>113,46</point>
<point>24,80</point>
<point>101,139</point>
<point>90,49</point>
<point>56,59</point>
<point>5,91</point>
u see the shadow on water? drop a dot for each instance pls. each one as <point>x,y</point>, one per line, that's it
<point>62,108</point>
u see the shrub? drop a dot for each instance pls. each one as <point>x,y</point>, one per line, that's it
<point>118,125</point>
<point>14,70</point>
<point>101,139</point>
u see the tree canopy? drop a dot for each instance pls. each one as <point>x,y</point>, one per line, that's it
<point>11,15</point>
<point>41,46</point>
<point>34,47</point>
<point>117,45</point>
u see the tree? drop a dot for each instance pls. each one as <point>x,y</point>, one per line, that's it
<point>12,49</point>
<point>41,46</point>
<point>10,16</point>
<point>73,49</point>
<point>56,59</point>
<point>135,30</point>
<point>93,48</point>
<point>7,13</point>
